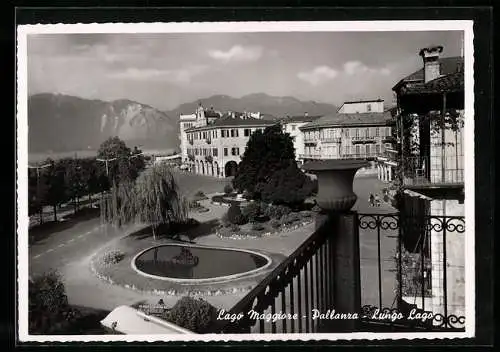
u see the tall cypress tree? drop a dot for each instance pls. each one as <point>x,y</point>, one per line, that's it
<point>268,165</point>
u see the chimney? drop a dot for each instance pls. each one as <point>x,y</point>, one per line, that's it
<point>430,56</point>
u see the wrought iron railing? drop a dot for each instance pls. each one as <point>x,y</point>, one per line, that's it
<point>302,282</point>
<point>410,264</point>
<point>421,264</point>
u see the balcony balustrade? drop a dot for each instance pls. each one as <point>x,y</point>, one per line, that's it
<point>323,275</point>
<point>433,171</point>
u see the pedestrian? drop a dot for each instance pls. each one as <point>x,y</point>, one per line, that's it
<point>377,200</point>
<point>371,199</point>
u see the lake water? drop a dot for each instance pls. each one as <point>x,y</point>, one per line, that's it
<point>38,157</point>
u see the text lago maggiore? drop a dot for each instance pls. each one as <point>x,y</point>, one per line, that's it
<point>330,314</point>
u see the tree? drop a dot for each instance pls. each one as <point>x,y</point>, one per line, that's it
<point>74,179</point>
<point>37,192</point>
<point>123,163</point>
<point>49,311</point>
<point>91,177</point>
<point>268,160</point>
<point>153,199</point>
<point>55,185</point>
<point>288,186</point>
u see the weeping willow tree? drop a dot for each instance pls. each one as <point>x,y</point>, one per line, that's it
<point>153,199</point>
<point>158,200</point>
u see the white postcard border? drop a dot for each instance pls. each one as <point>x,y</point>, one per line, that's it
<point>221,27</point>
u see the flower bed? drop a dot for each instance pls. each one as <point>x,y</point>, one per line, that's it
<point>272,227</point>
<point>224,199</point>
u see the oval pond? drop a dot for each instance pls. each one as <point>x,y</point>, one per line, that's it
<point>191,262</point>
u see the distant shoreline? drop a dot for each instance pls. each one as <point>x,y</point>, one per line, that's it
<point>37,157</point>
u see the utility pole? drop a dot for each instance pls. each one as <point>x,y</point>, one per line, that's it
<point>106,161</point>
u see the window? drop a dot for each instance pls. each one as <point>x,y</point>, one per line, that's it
<point>358,150</point>
<point>225,151</point>
<point>356,131</point>
<point>246,132</point>
<point>367,132</point>
<point>347,132</point>
<point>377,149</point>
<point>346,150</point>
<point>369,107</point>
<point>293,127</point>
<point>232,133</point>
<point>215,152</point>
<point>377,132</point>
<point>236,133</point>
<point>368,149</point>
<point>387,131</point>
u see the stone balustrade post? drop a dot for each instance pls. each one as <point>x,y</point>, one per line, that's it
<point>336,198</point>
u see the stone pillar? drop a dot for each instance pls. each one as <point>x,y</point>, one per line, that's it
<point>336,198</point>
<point>390,173</point>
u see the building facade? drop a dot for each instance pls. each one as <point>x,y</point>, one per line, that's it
<point>292,125</point>
<point>358,130</point>
<point>430,156</point>
<point>214,146</point>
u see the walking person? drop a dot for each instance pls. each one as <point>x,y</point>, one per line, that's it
<point>377,200</point>
<point>371,200</point>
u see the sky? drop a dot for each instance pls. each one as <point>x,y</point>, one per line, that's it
<point>167,69</point>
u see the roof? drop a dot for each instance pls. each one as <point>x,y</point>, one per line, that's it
<point>301,118</point>
<point>211,113</point>
<point>448,65</point>
<point>232,122</point>
<point>446,84</point>
<point>351,119</point>
<point>363,101</point>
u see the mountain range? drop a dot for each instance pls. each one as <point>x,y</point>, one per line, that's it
<point>63,123</point>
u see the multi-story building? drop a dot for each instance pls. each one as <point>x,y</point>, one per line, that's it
<point>201,117</point>
<point>214,146</point>
<point>292,125</point>
<point>430,163</point>
<point>358,130</point>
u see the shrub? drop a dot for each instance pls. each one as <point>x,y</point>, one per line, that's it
<point>275,223</point>
<point>49,311</point>
<point>252,211</point>
<point>257,227</point>
<point>289,219</point>
<point>193,314</point>
<point>277,211</point>
<point>316,208</point>
<point>247,195</point>
<point>112,257</point>
<point>235,216</point>
<point>306,214</point>
<point>225,232</point>
<point>228,189</point>
<point>200,195</point>
<point>194,204</point>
